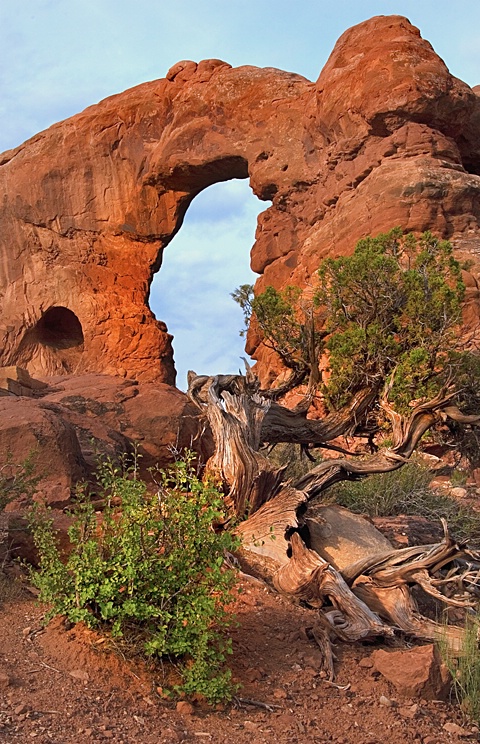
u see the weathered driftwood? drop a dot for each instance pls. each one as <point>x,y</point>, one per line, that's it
<point>355,599</point>
<point>396,605</point>
<point>310,578</point>
<point>249,479</point>
<point>281,424</point>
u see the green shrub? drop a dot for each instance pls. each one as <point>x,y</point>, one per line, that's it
<point>150,568</point>
<point>407,491</point>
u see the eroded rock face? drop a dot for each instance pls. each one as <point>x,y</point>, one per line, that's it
<point>385,137</point>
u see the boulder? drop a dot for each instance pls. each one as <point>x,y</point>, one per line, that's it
<point>30,429</point>
<point>80,419</point>
<point>416,672</point>
<point>342,537</point>
<point>111,415</point>
<point>18,542</point>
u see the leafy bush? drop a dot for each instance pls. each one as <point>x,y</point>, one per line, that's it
<point>407,491</point>
<point>388,314</point>
<point>393,312</point>
<point>151,567</point>
<point>288,323</point>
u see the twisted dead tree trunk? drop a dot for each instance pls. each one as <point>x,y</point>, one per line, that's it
<point>297,546</point>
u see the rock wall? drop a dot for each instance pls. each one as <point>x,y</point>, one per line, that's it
<point>386,136</point>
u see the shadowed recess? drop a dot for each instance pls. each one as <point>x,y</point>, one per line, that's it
<point>59,328</point>
<point>54,343</point>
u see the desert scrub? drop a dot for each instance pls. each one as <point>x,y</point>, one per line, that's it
<point>150,569</point>
<point>465,668</point>
<point>407,491</point>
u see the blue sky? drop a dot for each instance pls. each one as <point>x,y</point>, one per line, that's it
<point>59,56</point>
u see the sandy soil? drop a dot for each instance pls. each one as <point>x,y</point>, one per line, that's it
<point>62,685</point>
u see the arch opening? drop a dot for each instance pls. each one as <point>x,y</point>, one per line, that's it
<point>207,259</point>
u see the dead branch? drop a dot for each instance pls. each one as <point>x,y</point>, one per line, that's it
<point>284,425</point>
<point>248,478</point>
<point>396,605</point>
<point>309,578</point>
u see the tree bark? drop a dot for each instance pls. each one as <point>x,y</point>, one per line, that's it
<point>248,478</point>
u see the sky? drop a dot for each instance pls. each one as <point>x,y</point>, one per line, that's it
<point>59,56</point>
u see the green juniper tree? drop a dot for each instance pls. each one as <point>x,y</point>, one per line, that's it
<point>387,319</point>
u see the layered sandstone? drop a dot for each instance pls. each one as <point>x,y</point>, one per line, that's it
<point>386,136</point>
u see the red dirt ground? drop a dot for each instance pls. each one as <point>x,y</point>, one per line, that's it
<point>61,685</point>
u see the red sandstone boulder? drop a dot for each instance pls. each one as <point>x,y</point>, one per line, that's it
<point>418,672</point>
<point>18,542</point>
<point>110,414</point>
<point>30,428</point>
<point>83,418</point>
<point>385,137</point>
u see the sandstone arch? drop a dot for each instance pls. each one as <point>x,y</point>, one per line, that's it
<point>385,136</point>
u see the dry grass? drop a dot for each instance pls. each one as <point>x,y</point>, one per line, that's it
<point>465,669</point>
<point>407,491</point>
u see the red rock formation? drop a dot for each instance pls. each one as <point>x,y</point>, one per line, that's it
<point>385,137</point>
<point>80,418</point>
